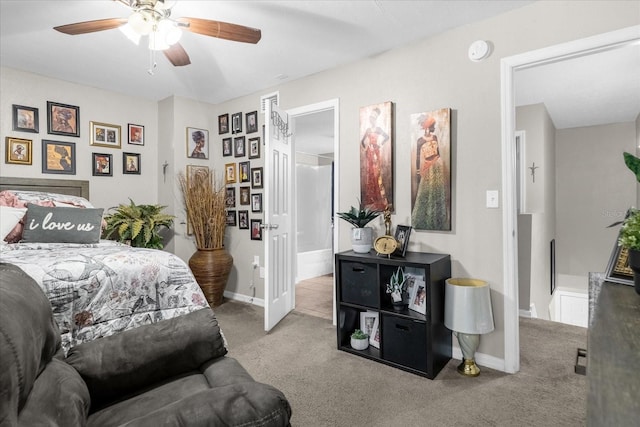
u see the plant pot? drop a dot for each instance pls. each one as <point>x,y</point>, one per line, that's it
<point>361,239</point>
<point>359,344</point>
<point>211,268</point>
<point>399,306</point>
<point>634,263</point>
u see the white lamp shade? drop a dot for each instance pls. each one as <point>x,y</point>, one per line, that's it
<point>467,306</point>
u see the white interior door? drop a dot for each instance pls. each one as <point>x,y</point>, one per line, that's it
<point>278,233</point>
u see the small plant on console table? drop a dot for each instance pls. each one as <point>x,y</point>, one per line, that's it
<point>630,232</point>
<point>397,287</point>
<point>361,235</point>
<point>359,340</point>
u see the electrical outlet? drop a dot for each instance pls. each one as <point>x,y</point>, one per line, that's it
<point>262,272</point>
<point>256,261</point>
<point>493,199</point>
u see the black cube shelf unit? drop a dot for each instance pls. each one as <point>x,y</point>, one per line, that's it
<point>415,342</point>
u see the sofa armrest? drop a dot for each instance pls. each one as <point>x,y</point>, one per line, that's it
<point>128,361</point>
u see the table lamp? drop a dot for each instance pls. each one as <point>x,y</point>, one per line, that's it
<point>467,312</point>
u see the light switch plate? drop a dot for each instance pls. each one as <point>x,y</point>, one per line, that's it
<point>493,200</point>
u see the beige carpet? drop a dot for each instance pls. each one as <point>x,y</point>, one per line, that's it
<point>327,387</point>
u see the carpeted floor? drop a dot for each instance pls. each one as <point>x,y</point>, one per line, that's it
<point>327,387</point>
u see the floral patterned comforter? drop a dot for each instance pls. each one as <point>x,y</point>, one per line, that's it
<point>100,289</point>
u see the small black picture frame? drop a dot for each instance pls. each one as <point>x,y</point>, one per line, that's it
<point>244,171</point>
<point>256,202</point>
<point>25,119</point>
<point>230,197</point>
<point>252,122</point>
<point>131,164</point>
<point>231,219</point>
<point>256,229</point>
<point>402,236</point>
<point>239,146</point>
<point>254,148</point>
<point>256,178</point>
<point>223,124</point>
<point>236,123</point>
<point>245,195</point>
<point>58,157</point>
<point>102,164</point>
<point>63,119</point>
<point>243,220</point>
<point>227,147</point>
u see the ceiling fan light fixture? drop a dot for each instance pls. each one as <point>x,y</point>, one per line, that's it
<point>140,23</point>
<point>169,31</point>
<point>157,41</point>
<point>130,33</point>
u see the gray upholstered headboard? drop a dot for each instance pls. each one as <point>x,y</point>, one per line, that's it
<point>72,187</point>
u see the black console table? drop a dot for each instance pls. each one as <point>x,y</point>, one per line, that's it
<point>613,354</point>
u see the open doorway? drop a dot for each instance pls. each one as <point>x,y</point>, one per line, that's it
<point>316,188</point>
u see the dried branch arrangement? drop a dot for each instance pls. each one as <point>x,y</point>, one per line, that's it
<point>204,202</point>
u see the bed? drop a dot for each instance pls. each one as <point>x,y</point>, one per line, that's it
<point>96,287</point>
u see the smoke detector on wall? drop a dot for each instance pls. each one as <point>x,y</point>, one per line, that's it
<point>479,50</point>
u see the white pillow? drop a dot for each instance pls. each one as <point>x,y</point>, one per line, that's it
<point>9,218</point>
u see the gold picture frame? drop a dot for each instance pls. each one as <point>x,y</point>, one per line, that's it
<point>19,151</point>
<point>105,135</point>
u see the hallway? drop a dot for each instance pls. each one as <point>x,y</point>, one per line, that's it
<point>315,297</point>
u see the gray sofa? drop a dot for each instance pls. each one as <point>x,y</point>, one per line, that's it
<point>171,373</point>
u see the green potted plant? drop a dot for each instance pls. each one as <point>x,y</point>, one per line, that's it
<point>137,225</point>
<point>397,287</point>
<point>359,340</point>
<point>629,237</point>
<point>361,235</point>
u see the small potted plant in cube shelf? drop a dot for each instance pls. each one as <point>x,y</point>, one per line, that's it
<point>359,340</point>
<point>397,287</point>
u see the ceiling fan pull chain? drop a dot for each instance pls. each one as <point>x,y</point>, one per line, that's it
<point>152,62</point>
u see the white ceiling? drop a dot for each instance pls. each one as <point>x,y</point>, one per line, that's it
<point>299,38</point>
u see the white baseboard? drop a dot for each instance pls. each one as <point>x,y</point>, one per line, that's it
<point>244,298</point>
<point>525,313</point>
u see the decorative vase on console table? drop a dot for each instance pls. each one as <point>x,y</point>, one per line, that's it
<point>205,204</point>
<point>361,236</point>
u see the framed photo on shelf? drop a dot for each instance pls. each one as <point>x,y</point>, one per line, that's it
<point>230,173</point>
<point>256,178</point>
<point>370,325</point>
<point>231,218</point>
<point>131,164</point>
<point>252,122</point>
<point>256,202</point>
<point>618,270</point>
<point>102,164</point>
<point>230,197</point>
<point>256,229</point>
<point>227,147</point>
<point>63,119</point>
<point>58,157</point>
<point>243,220</point>
<point>25,119</point>
<point>239,147</point>
<point>254,148</point>
<point>197,143</point>
<point>402,236</point>
<point>19,151</point>
<point>245,195</point>
<point>136,134</point>
<point>236,123</point>
<point>104,135</point>
<point>223,124</point>
<point>417,289</point>
<point>244,171</point>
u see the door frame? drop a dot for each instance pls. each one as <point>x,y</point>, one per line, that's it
<point>508,67</point>
<point>331,104</point>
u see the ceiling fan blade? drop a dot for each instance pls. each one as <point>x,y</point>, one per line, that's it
<point>222,30</point>
<point>91,26</point>
<point>177,55</point>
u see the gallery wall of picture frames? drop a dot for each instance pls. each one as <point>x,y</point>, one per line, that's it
<point>242,180</point>
<point>59,156</point>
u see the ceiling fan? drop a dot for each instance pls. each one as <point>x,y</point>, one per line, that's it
<point>153,18</point>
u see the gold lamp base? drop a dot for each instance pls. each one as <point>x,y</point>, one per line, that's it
<point>469,368</point>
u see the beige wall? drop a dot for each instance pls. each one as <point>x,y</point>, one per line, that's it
<point>427,75</point>
<point>594,190</point>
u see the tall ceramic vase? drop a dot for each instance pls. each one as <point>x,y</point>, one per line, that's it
<point>211,268</point>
